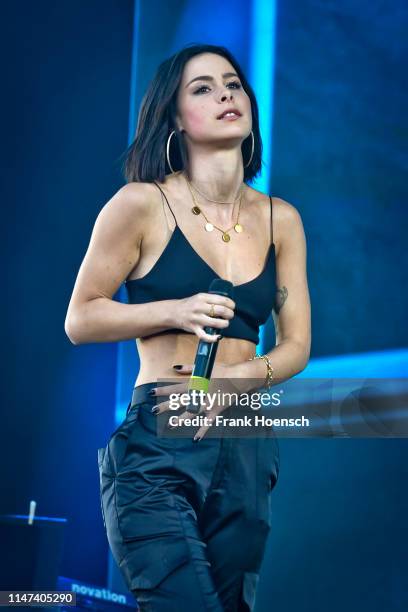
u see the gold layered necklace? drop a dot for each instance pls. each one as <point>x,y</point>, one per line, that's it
<point>209,226</point>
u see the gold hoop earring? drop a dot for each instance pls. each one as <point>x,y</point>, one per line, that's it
<point>168,151</point>
<point>252,150</point>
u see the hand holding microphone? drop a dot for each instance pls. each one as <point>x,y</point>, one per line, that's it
<point>206,310</point>
<point>207,350</point>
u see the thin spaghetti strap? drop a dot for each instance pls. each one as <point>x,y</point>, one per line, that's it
<point>270,200</point>
<point>163,194</point>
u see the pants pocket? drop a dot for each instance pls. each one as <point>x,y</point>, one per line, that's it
<point>118,441</point>
<point>145,509</point>
<point>151,560</point>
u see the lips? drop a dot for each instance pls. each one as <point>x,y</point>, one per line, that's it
<point>230,110</point>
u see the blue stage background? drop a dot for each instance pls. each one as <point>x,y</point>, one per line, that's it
<point>336,128</point>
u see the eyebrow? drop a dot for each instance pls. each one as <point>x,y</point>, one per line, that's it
<point>210,78</point>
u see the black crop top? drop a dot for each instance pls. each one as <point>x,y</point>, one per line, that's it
<point>180,272</point>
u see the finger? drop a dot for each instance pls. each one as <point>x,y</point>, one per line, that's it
<point>214,298</point>
<point>183,369</point>
<point>207,337</point>
<point>220,312</point>
<point>186,415</point>
<point>180,418</point>
<point>214,322</point>
<point>199,435</point>
<point>162,407</point>
<point>175,402</point>
<point>209,423</point>
<point>169,389</point>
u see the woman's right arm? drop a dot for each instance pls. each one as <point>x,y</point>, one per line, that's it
<point>113,251</point>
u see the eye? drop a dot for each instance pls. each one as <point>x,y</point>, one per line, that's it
<point>200,89</point>
<point>236,84</point>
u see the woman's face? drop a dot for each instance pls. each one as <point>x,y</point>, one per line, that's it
<point>200,101</point>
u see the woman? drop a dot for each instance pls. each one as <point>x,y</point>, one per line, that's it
<point>188,523</point>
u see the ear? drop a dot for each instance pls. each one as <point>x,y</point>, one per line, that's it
<point>178,125</point>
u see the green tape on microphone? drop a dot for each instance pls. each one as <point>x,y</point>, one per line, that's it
<point>198,383</point>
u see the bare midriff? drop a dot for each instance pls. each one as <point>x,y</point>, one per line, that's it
<point>158,354</point>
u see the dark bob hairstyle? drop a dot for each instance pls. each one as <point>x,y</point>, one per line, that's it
<point>145,158</point>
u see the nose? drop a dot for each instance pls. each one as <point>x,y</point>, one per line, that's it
<point>227,93</point>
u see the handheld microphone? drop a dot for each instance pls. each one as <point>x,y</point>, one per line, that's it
<point>206,351</point>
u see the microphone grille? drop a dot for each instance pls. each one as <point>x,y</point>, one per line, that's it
<point>222,287</point>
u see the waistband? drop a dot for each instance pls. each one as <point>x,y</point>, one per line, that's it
<point>141,393</point>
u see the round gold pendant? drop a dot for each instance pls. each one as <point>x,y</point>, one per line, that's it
<point>209,227</point>
<point>238,228</point>
<point>195,210</point>
<point>226,237</point>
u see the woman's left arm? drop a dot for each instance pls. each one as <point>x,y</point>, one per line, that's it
<point>292,310</point>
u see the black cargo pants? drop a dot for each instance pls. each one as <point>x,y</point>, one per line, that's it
<point>187,522</point>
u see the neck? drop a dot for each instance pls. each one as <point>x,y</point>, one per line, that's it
<point>217,174</point>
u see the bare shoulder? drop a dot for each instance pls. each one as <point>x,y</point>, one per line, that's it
<point>286,213</point>
<point>287,223</point>
<point>283,211</point>
<point>130,202</point>
<point>129,210</point>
